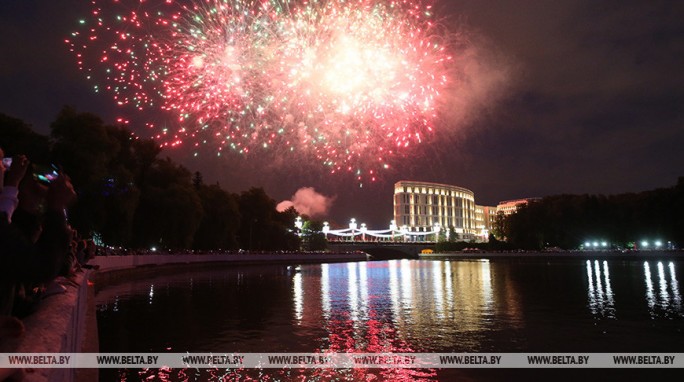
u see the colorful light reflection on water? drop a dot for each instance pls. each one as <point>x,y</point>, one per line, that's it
<point>398,306</point>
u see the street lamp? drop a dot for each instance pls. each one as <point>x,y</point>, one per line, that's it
<point>437,228</point>
<point>326,229</point>
<point>352,227</point>
<point>404,232</point>
<point>363,231</point>
<point>393,227</point>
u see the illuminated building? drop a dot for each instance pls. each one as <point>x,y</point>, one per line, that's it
<point>511,206</point>
<point>485,219</point>
<point>422,206</point>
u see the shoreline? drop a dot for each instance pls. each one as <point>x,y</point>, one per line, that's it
<point>126,262</point>
<point>120,269</point>
<point>567,255</point>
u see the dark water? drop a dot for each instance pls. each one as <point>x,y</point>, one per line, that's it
<point>403,306</point>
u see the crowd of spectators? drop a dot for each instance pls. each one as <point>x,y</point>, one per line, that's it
<point>40,253</point>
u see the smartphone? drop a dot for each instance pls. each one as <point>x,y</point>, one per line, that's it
<point>45,173</point>
<point>7,162</point>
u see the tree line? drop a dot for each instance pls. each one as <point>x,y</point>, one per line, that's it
<point>131,197</point>
<point>622,221</point>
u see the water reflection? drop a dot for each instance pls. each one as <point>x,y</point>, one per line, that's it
<point>433,301</point>
<point>358,304</point>
<point>667,301</point>
<point>650,296</point>
<point>600,291</point>
<point>406,285</point>
<point>438,288</point>
<point>325,290</point>
<point>405,306</point>
<point>675,287</point>
<point>298,297</point>
<point>394,306</point>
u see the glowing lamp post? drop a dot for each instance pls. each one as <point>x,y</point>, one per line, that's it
<point>363,231</point>
<point>299,225</point>
<point>352,227</point>
<point>392,227</point>
<point>326,229</point>
<point>404,232</point>
<point>437,228</point>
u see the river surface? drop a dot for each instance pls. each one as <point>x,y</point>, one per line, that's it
<point>403,306</point>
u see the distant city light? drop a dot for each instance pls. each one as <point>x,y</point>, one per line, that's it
<point>596,244</point>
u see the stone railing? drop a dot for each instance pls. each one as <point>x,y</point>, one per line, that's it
<point>62,323</point>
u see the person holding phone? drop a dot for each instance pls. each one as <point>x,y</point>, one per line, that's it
<point>35,244</point>
<point>14,170</point>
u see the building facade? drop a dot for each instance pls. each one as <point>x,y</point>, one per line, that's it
<point>509,207</point>
<point>420,206</point>
<point>485,219</point>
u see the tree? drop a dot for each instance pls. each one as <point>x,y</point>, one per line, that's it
<point>197,180</point>
<point>84,149</point>
<point>567,221</point>
<point>221,219</point>
<point>261,226</point>
<point>170,210</point>
<point>132,198</point>
<point>16,137</point>
<point>82,146</point>
<point>313,238</point>
<point>499,228</point>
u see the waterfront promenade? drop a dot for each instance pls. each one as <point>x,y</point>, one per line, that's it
<point>117,263</point>
<point>66,322</point>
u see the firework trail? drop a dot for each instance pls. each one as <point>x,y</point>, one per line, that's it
<point>352,84</point>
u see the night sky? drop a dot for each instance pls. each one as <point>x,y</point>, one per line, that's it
<point>566,96</point>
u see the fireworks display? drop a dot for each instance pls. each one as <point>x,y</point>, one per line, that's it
<point>350,83</point>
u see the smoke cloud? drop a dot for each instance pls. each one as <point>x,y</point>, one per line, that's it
<point>307,202</point>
